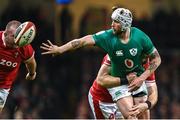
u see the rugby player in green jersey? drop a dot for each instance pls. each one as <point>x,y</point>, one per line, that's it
<point>142,105</point>
<point>126,47</point>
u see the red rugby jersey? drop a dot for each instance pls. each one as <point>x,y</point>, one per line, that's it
<point>10,60</point>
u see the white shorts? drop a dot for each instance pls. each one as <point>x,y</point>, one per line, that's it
<point>102,110</point>
<point>122,91</point>
<point>3,96</point>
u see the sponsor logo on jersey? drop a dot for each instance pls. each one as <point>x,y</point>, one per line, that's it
<point>129,63</point>
<point>133,51</point>
<point>119,53</point>
<point>8,63</point>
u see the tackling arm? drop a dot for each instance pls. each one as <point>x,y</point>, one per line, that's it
<point>152,98</point>
<point>106,80</point>
<point>152,94</point>
<point>72,45</point>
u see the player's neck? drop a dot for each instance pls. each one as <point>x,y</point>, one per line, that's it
<point>124,37</point>
<point>10,45</point>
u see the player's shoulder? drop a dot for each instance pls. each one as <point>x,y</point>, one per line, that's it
<point>138,33</point>
<point>108,32</point>
<point>137,30</point>
<point>26,51</point>
<point>26,48</point>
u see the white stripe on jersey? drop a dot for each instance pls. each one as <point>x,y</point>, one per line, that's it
<point>150,83</point>
<point>107,61</point>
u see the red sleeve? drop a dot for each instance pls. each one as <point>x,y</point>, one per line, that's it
<point>152,76</point>
<point>106,60</point>
<point>26,52</point>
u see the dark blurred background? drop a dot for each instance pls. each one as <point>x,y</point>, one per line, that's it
<point>61,87</point>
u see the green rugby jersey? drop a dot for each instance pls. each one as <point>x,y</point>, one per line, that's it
<point>125,58</point>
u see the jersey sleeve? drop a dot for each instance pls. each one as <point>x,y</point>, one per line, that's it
<point>101,41</point>
<point>148,46</point>
<point>106,60</point>
<point>27,52</point>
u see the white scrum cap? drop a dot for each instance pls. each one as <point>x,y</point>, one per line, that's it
<point>124,16</point>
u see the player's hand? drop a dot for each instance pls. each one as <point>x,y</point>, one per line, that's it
<point>131,76</point>
<point>132,117</point>
<point>138,109</point>
<point>30,76</point>
<point>135,84</point>
<point>49,48</point>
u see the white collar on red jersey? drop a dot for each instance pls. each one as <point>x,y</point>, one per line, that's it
<point>3,39</point>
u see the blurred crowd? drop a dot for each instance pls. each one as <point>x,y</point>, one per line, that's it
<point>61,87</point>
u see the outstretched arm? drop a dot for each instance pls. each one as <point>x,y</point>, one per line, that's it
<point>72,45</point>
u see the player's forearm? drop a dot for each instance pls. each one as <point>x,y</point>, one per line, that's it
<point>108,81</point>
<point>152,95</point>
<point>155,61</point>
<point>31,66</point>
<point>68,46</point>
<point>76,43</point>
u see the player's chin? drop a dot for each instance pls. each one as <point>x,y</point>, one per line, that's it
<point>114,31</point>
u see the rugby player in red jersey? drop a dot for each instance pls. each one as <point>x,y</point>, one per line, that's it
<point>11,56</point>
<point>103,106</point>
